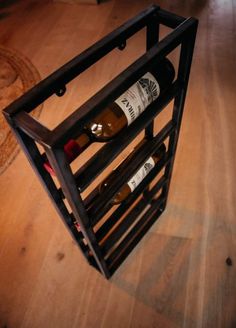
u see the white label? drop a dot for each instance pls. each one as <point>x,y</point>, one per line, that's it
<point>136,99</point>
<point>141,174</point>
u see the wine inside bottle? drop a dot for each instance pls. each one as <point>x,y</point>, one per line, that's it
<point>136,179</point>
<point>123,111</point>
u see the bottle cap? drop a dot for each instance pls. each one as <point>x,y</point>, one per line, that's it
<point>96,129</point>
<point>48,168</point>
<point>72,150</point>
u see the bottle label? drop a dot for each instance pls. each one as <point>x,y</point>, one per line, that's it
<point>141,174</point>
<point>136,99</point>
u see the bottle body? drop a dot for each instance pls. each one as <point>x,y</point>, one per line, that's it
<point>136,179</point>
<point>125,109</point>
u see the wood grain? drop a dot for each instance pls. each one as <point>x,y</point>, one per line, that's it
<point>177,276</point>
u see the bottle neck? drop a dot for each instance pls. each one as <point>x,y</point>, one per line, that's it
<point>74,147</point>
<point>83,140</point>
<point>159,154</point>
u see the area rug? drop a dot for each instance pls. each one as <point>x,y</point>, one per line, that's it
<point>17,75</point>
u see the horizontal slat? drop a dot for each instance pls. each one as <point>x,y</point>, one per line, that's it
<point>123,226</point>
<point>135,235</point>
<point>116,215</point>
<point>133,243</point>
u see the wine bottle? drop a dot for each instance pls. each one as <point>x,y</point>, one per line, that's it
<point>136,179</point>
<point>121,113</point>
<point>125,109</point>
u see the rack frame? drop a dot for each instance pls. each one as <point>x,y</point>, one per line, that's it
<point>106,254</point>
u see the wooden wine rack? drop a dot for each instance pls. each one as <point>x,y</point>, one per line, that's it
<point>106,248</point>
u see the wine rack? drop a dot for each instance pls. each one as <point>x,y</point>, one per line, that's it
<point>106,247</point>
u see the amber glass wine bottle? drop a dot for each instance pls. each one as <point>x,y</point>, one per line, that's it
<point>136,179</point>
<point>123,111</point>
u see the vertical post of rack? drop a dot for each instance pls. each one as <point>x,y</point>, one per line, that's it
<point>152,38</point>
<point>63,171</point>
<point>33,155</point>
<point>185,61</point>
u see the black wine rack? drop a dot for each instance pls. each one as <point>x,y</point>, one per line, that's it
<point>106,247</point>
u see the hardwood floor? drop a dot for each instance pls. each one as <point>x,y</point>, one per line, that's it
<point>44,280</point>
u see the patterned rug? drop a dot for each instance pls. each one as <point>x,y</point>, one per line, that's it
<point>17,75</point>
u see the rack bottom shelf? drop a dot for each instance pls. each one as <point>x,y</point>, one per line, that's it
<point>135,235</point>
<point>149,214</point>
